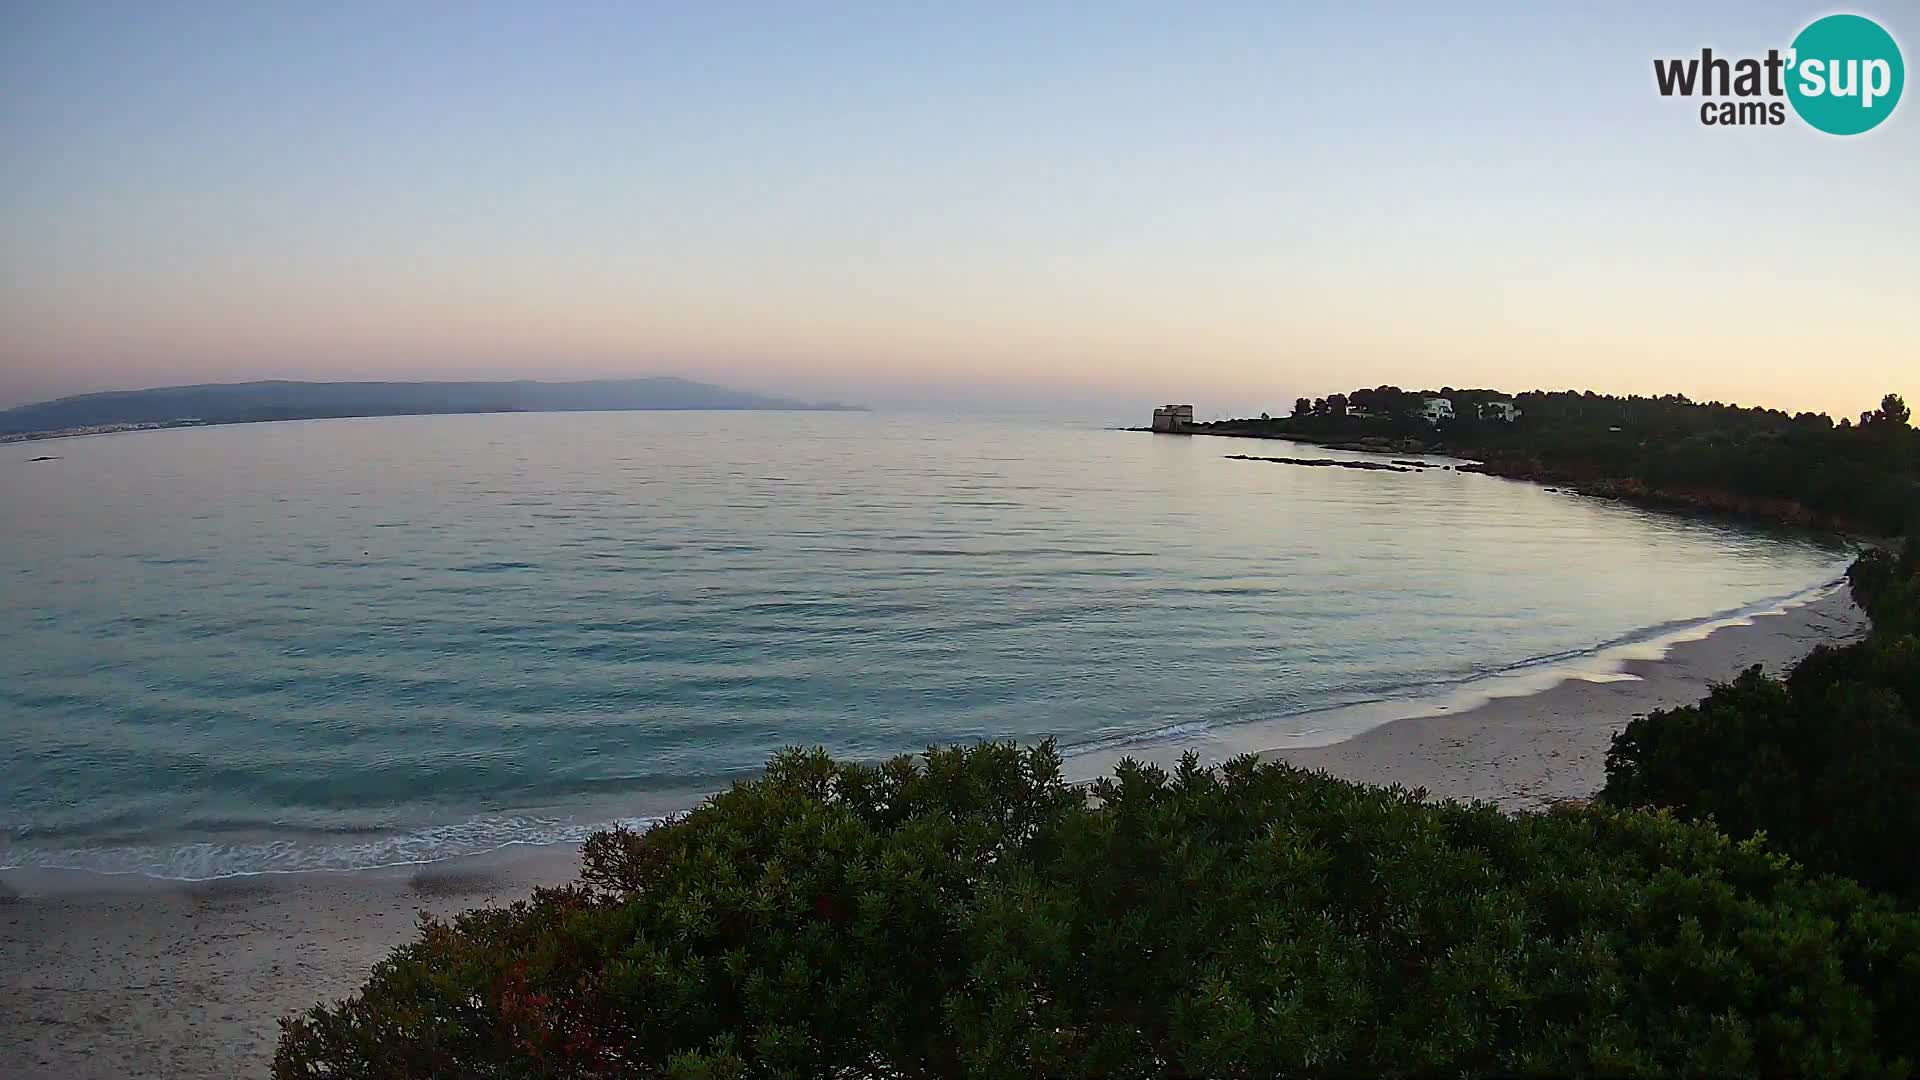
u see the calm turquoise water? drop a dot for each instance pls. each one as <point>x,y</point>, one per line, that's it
<point>357,642</point>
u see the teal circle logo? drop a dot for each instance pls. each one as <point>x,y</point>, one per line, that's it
<point>1845,74</point>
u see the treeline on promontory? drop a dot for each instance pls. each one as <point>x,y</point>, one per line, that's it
<point>1740,901</point>
<point>1859,476</point>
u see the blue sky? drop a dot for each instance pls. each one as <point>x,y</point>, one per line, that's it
<point>1033,203</point>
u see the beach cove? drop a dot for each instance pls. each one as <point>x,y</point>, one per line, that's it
<point>1477,637</point>
<point>219,961</point>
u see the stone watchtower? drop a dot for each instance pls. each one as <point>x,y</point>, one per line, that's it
<point>1173,419</point>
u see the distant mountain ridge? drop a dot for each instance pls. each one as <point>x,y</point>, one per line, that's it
<point>231,403</point>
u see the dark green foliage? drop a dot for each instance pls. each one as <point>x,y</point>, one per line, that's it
<point>969,914</point>
<point>1825,762</point>
<point>1799,468</point>
<point>1889,588</point>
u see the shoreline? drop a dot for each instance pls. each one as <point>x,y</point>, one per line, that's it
<point>1316,727</point>
<point>1620,659</point>
<point>1751,511</point>
<point>219,961</point>
<point>172,979</point>
<point>1528,751</point>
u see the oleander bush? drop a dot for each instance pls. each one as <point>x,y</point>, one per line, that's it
<point>1825,761</point>
<point>966,913</point>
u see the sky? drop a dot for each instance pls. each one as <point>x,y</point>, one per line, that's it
<point>1081,207</point>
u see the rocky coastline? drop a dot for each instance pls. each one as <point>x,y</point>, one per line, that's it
<point>1573,481</point>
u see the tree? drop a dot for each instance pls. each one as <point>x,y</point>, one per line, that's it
<point>970,913</point>
<point>1337,404</point>
<point>1824,762</point>
<point>1802,469</point>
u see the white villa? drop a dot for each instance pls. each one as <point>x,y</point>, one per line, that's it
<point>1436,409</point>
<point>1504,411</point>
<point>1173,419</point>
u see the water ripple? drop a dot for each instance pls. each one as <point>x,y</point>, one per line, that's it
<point>338,644</point>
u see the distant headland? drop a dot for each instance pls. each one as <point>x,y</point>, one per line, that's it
<point>1859,477</point>
<point>255,402</point>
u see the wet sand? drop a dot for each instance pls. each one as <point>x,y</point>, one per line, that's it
<point>136,978</point>
<point>142,978</point>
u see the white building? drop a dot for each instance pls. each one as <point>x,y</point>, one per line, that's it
<point>1436,409</point>
<point>1504,411</point>
<point>1173,419</point>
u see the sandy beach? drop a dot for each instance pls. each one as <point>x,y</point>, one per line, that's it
<point>139,978</point>
<point>1526,752</point>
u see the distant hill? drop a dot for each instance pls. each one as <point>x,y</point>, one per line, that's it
<point>233,403</point>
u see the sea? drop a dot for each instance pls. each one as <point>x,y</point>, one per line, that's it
<point>342,644</point>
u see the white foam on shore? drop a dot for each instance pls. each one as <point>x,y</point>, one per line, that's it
<point>1608,662</point>
<point>216,861</point>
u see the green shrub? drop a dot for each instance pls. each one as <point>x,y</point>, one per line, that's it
<point>1825,762</point>
<point>1888,587</point>
<point>968,913</point>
